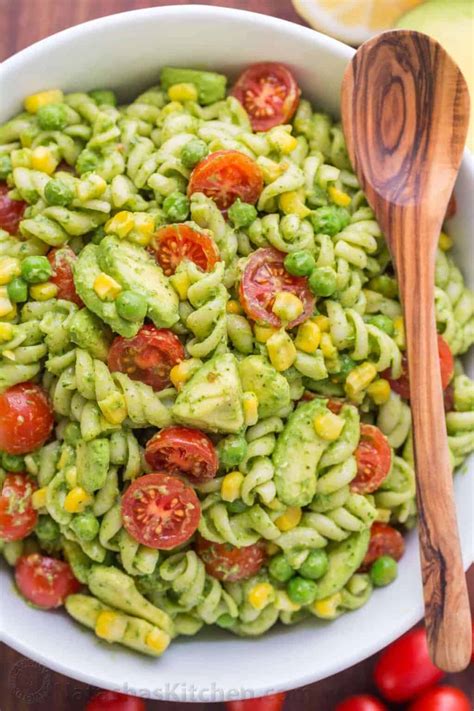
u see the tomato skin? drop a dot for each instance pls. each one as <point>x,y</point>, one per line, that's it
<point>183,451</point>
<point>374,459</point>
<point>26,418</point>
<point>226,562</point>
<point>273,702</point>
<point>384,540</point>
<point>11,211</point>
<point>402,384</point>
<point>269,93</point>
<point>442,698</point>
<point>113,701</point>
<point>17,516</point>
<point>225,176</point>
<point>62,260</point>
<point>160,511</point>
<point>148,356</point>
<point>404,669</point>
<point>173,243</point>
<point>363,702</point>
<point>44,581</point>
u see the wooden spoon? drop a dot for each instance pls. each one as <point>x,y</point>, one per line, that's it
<point>405,111</point>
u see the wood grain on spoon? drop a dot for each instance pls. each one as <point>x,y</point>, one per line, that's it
<point>405,109</point>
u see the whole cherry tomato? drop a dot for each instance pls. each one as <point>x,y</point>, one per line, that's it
<point>113,701</point>
<point>273,702</point>
<point>363,702</point>
<point>442,698</point>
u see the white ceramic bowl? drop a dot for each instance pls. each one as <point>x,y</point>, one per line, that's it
<point>125,52</point>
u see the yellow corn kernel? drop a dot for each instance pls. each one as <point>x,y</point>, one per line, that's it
<point>183,92</point>
<point>106,288</point>
<point>250,408</point>
<point>113,408</point>
<point>271,170</point>
<point>263,333</point>
<point>91,187</point>
<point>44,159</point>
<point>283,602</point>
<point>120,224</point>
<point>271,548</point>
<point>327,608</point>
<point>230,487</point>
<point>180,283</point>
<point>360,378</point>
<point>281,351</point>
<point>35,101</point>
<point>43,292</point>
<point>399,337</point>
<point>445,242</point>
<point>38,498</point>
<point>287,306</point>
<point>143,228</point>
<point>182,372</point>
<point>157,640</point>
<point>328,348</point>
<point>282,140</point>
<point>77,500</point>
<point>6,306</point>
<point>260,595</point>
<point>328,426</point>
<point>308,337</point>
<point>383,515</point>
<point>233,307</point>
<point>379,391</point>
<point>70,476</point>
<point>339,197</point>
<point>9,268</point>
<point>292,203</point>
<point>6,332</point>
<point>290,519</point>
<point>322,322</point>
<point>110,625</point>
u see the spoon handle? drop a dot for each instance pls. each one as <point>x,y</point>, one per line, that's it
<point>448,619</point>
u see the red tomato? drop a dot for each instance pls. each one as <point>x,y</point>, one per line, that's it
<point>148,356</point>
<point>452,207</point>
<point>405,669</point>
<point>173,243</point>
<point>225,176</point>
<point>17,515</point>
<point>160,510</point>
<point>446,363</point>
<point>384,540</point>
<point>61,261</point>
<point>363,702</point>
<point>11,211</point>
<point>26,418</point>
<point>374,459</point>
<point>182,450</point>
<point>226,562</point>
<point>274,702</point>
<point>332,404</point>
<point>442,698</point>
<point>113,701</point>
<point>269,93</point>
<point>46,582</point>
<point>264,276</point>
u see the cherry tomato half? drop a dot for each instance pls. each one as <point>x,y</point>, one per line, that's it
<point>363,702</point>
<point>46,582</point>
<point>273,702</point>
<point>61,261</point>
<point>405,669</point>
<point>442,698</point>
<point>160,511</point>
<point>264,276</point>
<point>446,363</point>
<point>17,515</point>
<point>384,540</point>
<point>26,418</point>
<point>148,356</point>
<point>11,211</point>
<point>113,701</point>
<point>174,243</point>
<point>269,93</point>
<point>182,450</point>
<point>225,176</point>
<point>374,459</point>
<point>226,562</point>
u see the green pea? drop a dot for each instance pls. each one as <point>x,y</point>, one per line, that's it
<point>301,591</point>
<point>315,565</point>
<point>103,97</point>
<point>5,167</point>
<point>57,192</point>
<point>383,322</point>
<point>12,462</point>
<point>52,117</point>
<point>330,220</point>
<point>280,569</point>
<point>72,433</point>
<point>383,571</point>
<point>193,152</point>
<point>47,529</point>
<point>300,263</point>
<point>323,281</point>
<point>176,207</point>
<point>17,290</point>
<point>225,621</point>
<point>231,450</point>
<point>346,364</point>
<point>87,161</point>
<point>242,214</point>
<point>36,270</point>
<point>85,526</point>
<point>237,506</point>
<point>131,305</point>
<point>385,285</point>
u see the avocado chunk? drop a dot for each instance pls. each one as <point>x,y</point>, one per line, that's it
<point>92,462</point>
<point>271,388</point>
<point>212,399</point>
<point>135,269</point>
<point>210,86</point>
<point>343,561</point>
<point>88,332</point>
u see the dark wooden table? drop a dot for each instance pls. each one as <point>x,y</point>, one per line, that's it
<point>23,683</point>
